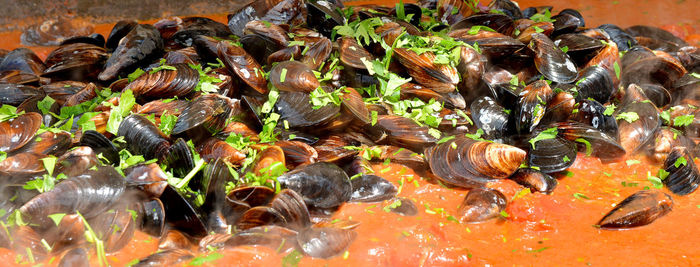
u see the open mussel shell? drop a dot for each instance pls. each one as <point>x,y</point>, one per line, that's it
<point>683,176</point>
<point>143,137</point>
<point>165,83</point>
<point>401,131</point>
<point>352,101</point>
<point>297,110</point>
<point>652,70</point>
<point>23,60</point>
<point>332,148</point>
<point>317,53</point>
<point>664,140</point>
<point>550,61</point>
<point>151,217</point>
<point>638,209</point>
<point>214,148</point>
<point>17,132</point>
<point>216,176</point>
<point>470,163</point>
<point>321,184</point>
<point>655,33</point>
<point>115,227</point>
<point>490,117</point>
<point>297,153</point>
<point>581,48</point>
<point>238,61</point>
<point>534,179</point>
<point>325,242</point>
<point>76,62</point>
<point>601,145</point>
<point>372,188</point>
<point>623,39</point>
<point>260,216</point>
<point>481,204</point>
<point>174,239</point>
<point>100,145</point>
<point>293,76</point>
<point>90,193</point>
<point>141,44</point>
<point>48,143</point>
<point>246,197</point>
<point>16,94</point>
<point>293,209</point>
<point>509,8</point>
<point>207,114</point>
<point>499,22</point>
<point>76,161</point>
<point>180,214</point>
<point>531,106</point>
<point>552,155</point>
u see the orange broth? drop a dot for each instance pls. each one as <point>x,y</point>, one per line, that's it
<point>539,230</point>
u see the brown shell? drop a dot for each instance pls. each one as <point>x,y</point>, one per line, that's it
<point>298,77</point>
<point>351,53</point>
<point>165,83</point>
<point>19,131</point>
<point>640,208</point>
<point>213,148</point>
<point>317,53</point>
<point>238,61</point>
<point>439,77</point>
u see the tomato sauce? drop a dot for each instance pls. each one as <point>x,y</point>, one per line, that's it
<point>536,229</point>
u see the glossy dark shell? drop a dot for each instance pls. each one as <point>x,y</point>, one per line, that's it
<point>372,188</point>
<point>180,214</point>
<point>531,106</point>
<point>323,15</point>
<point>16,94</point>
<point>76,62</point>
<point>481,204</point>
<point>292,208</point>
<point>472,164</point>
<point>238,61</point>
<point>325,242</point>
<point>120,29</point>
<point>298,77</point>
<point>536,180</point>
<point>595,82</point>
<point>548,154</point>
<point>19,131</point>
<point>400,131</point>
<point>297,110</point>
<point>165,83</point>
<point>624,40</point>
<point>321,184</point>
<point>591,112</point>
<point>682,179</point>
<point>602,145</point>
<point>90,193</point>
<point>490,117</point>
<point>140,45</point>
<point>553,63</point>
<point>635,134</point>
<point>143,137</point>
<point>207,113</point>
<point>100,145</point>
<point>638,209</point>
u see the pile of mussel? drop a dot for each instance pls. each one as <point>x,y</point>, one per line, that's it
<point>177,148</point>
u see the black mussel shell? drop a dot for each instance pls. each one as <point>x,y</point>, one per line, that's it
<point>238,61</point>
<point>170,257</point>
<point>532,105</point>
<point>405,207</point>
<point>293,209</point>
<point>683,176</point>
<point>76,62</point>
<point>508,7</point>
<point>48,143</point>
<point>636,133</point>
<point>121,29</point>
<point>566,23</point>
<point>114,227</point>
<point>180,214</point>
<point>142,44</point>
<point>534,179</point>
<point>323,15</point>
<point>592,113</point>
<point>76,161</point>
<point>601,145</point>
<point>243,198</point>
<point>100,145</point>
<point>400,131</point>
<point>652,70</point>
<point>181,160</point>
<point>205,115</point>
<point>151,217</point>
<point>410,9</point>
<point>77,257</point>
<point>481,204</point>
<point>325,242</point>
<point>551,155</point>
<point>655,33</point>
<point>581,48</point>
<point>95,39</point>
<point>297,110</point>
<point>143,137</point>
<point>551,61</point>
<point>23,60</point>
<point>624,40</point>
<point>15,94</point>
<point>372,188</point>
<point>638,209</point>
<point>498,22</point>
<point>90,193</point>
<point>293,76</point>
<point>490,117</point>
<point>165,83</point>
<point>195,26</point>
<point>595,82</point>
<point>322,185</point>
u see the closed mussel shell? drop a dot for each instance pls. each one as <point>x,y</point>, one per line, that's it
<point>325,242</point>
<point>372,188</point>
<point>638,209</point>
<point>553,63</point>
<point>481,204</point>
<point>551,155</point>
<point>683,177</point>
<point>321,184</point>
<point>534,179</point>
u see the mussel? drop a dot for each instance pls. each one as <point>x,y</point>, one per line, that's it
<point>638,209</point>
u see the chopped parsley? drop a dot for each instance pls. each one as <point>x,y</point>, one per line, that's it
<point>630,117</point>
<point>609,110</point>
<point>550,133</point>
<point>683,120</point>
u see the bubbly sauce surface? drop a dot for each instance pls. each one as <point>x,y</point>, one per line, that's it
<point>539,230</point>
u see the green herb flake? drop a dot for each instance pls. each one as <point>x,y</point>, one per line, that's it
<point>57,217</point>
<point>616,66</point>
<point>631,162</point>
<point>588,145</point>
<point>566,159</point>
<point>137,73</point>
<point>504,214</point>
<point>680,161</point>
<point>630,117</point>
<point>564,49</point>
<point>683,120</point>
<point>45,104</point>
<point>580,196</point>
<point>197,261</point>
<point>393,205</point>
<point>609,110</point>
<point>8,112</point>
<point>550,133</point>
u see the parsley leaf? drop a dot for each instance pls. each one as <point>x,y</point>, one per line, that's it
<point>630,117</point>
<point>550,133</point>
<point>683,120</point>
<point>609,110</point>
